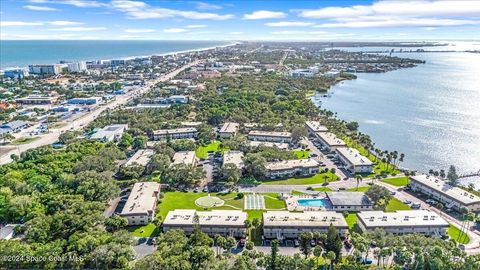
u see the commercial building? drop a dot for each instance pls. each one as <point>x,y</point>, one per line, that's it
<point>228,130</point>
<point>450,196</point>
<point>141,157</point>
<point>141,203</point>
<point>185,157</point>
<point>233,157</point>
<point>270,136</point>
<point>349,201</point>
<point>177,133</point>
<point>77,66</point>
<point>222,222</point>
<point>314,126</point>
<point>14,126</point>
<point>289,225</point>
<point>293,167</point>
<point>330,141</point>
<point>17,73</point>
<point>37,100</point>
<point>404,222</point>
<point>111,133</point>
<point>45,69</point>
<point>84,101</point>
<point>354,161</point>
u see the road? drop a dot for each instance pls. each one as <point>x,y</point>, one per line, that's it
<point>52,136</point>
<point>322,158</point>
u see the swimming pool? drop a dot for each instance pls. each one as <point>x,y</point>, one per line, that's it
<point>314,202</point>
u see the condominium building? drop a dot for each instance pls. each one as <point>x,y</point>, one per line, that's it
<point>228,130</point>
<point>270,136</point>
<point>288,225</point>
<point>177,133</point>
<point>354,161</point>
<point>283,146</point>
<point>452,197</point>
<point>403,222</point>
<point>141,157</point>
<point>45,69</point>
<point>185,157</point>
<point>349,201</point>
<point>233,157</point>
<point>293,167</point>
<point>330,141</point>
<point>314,126</point>
<point>141,203</point>
<point>77,66</point>
<point>222,222</point>
<point>112,133</point>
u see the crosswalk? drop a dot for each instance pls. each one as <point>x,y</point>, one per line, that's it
<point>254,202</point>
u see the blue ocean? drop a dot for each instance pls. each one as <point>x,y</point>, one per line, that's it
<point>21,53</point>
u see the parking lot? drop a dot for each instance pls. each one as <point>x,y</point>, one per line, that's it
<point>327,160</point>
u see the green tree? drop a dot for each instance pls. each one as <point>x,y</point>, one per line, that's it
<point>379,195</point>
<point>115,223</point>
<point>452,176</point>
<point>305,238</point>
<point>273,254</point>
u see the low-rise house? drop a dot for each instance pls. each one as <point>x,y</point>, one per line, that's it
<point>293,167</point>
<point>330,141</point>
<point>112,133</point>
<point>450,196</point>
<point>141,157</point>
<point>289,225</point>
<point>222,222</point>
<point>228,130</point>
<point>354,161</point>
<point>7,232</point>
<point>270,136</point>
<point>141,203</point>
<point>177,133</point>
<point>185,157</point>
<point>314,126</point>
<point>233,157</point>
<point>349,201</point>
<point>404,222</point>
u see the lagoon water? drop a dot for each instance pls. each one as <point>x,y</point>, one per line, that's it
<point>430,112</point>
<point>21,53</point>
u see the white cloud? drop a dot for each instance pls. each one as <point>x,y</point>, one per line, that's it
<point>141,10</point>
<point>288,32</point>
<point>40,8</point>
<point>175,30</point>
<point>429,28</point>
<point>139,30</point>
<point>264,14</point>
<point>64,23</point>
<point>19,23</point>
<point>235,33</point>
<point>289,24</point>
<point>203,5</point>
<point>191,26</point>
<point>79,29</point>
<point>76,3</point>
<point>414,22</point>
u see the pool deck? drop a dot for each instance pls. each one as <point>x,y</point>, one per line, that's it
<point>293,204</point>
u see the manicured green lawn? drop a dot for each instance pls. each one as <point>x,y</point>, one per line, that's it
<point>301,154</point>
<point>351,220</point>
<point>397,181</point>
<point>360,189</point>
<point>296,192</point>
<point>454,232</point>
<point>323,189</point>
<point>202,151</point>
<point>394,204</point>
<point>149,230</point>
<point>315,179</point>
<point>273,202</point>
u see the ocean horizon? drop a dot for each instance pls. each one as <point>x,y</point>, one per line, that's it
<point>21,53</point>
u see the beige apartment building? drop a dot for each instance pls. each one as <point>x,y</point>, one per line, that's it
<point>141,203</point>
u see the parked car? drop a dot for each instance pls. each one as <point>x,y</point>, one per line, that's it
<point>312,243</point>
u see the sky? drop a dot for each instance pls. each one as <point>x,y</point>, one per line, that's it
<point>239,20</point>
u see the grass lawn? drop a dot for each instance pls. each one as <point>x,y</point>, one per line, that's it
<point>273,202</point>
<point>323,189</point>
<point>397,181</point>
<point>395,204</point>
<point>360,189</point>
<point>301,154</point>
<point>315,179</point>
<point>454,232</point>
<point>24,140</point>
<point>351,220</point>
<point>202,151</point>
<point>149,230</point>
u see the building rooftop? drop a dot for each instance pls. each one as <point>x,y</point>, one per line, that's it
<point>229,127</point>
<point>234,157</point>
<point>403,218</point>
<point>315,126</point>
<point>331,139</point>
<point>14,124</point>
<point>184,157</point>
<point>443,187</point>
<point>305,219</point>
<point>348,198</point>
<point>191,124</point>
<point>141,157</point>
<point>290,164</point>
<point>109,131</point>
<point>269,144</point>
<point>270,133</point>
<point>174,131</point>
<point>206,218</point>
<point>353,156</point>
<point>142,199</point>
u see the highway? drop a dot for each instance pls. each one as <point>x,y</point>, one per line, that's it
<point>52,136</point>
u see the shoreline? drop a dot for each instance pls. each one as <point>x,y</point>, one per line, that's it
<point>139,56</point>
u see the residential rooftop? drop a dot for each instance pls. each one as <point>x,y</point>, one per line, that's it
<point>402,218</point>
<point>331,139</point>
<point>174,131</point>
<point>353,156</point>
<point>109,131</point>
<point>290,164</point>
<point>443,187</point>
<point>229,127</point>
<point>206,218</point>
<point>269,144</point>
<point>348,198</point>
<point>141,157</point>
<point>270,133</point>
<point>315,126</point>
<point>142,199</point>
<point>234,157</point>
<point>184,157</point>
<point>304,219</point>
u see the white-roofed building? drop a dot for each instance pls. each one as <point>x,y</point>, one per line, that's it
<point>141,203</point>
<point>234,157</point>
<point>223,222</point>
<point>354,161</point>
<point>185,157</point>
<point>176,133</point>
<point>283,146</point>
<point>314,126</point>
<point>293,167</point>
<point>141,157</point>
<point>287,225</point>
<point>270,136</point>
<point>450,196</point>
<point>403,222</point>
<point>330,141</point>
<point>228,130</point>
<point>111,133</point>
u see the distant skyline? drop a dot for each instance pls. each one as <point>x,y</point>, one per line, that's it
<point>239,20</point>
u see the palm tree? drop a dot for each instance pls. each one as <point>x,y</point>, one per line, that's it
<point>359,179</point>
